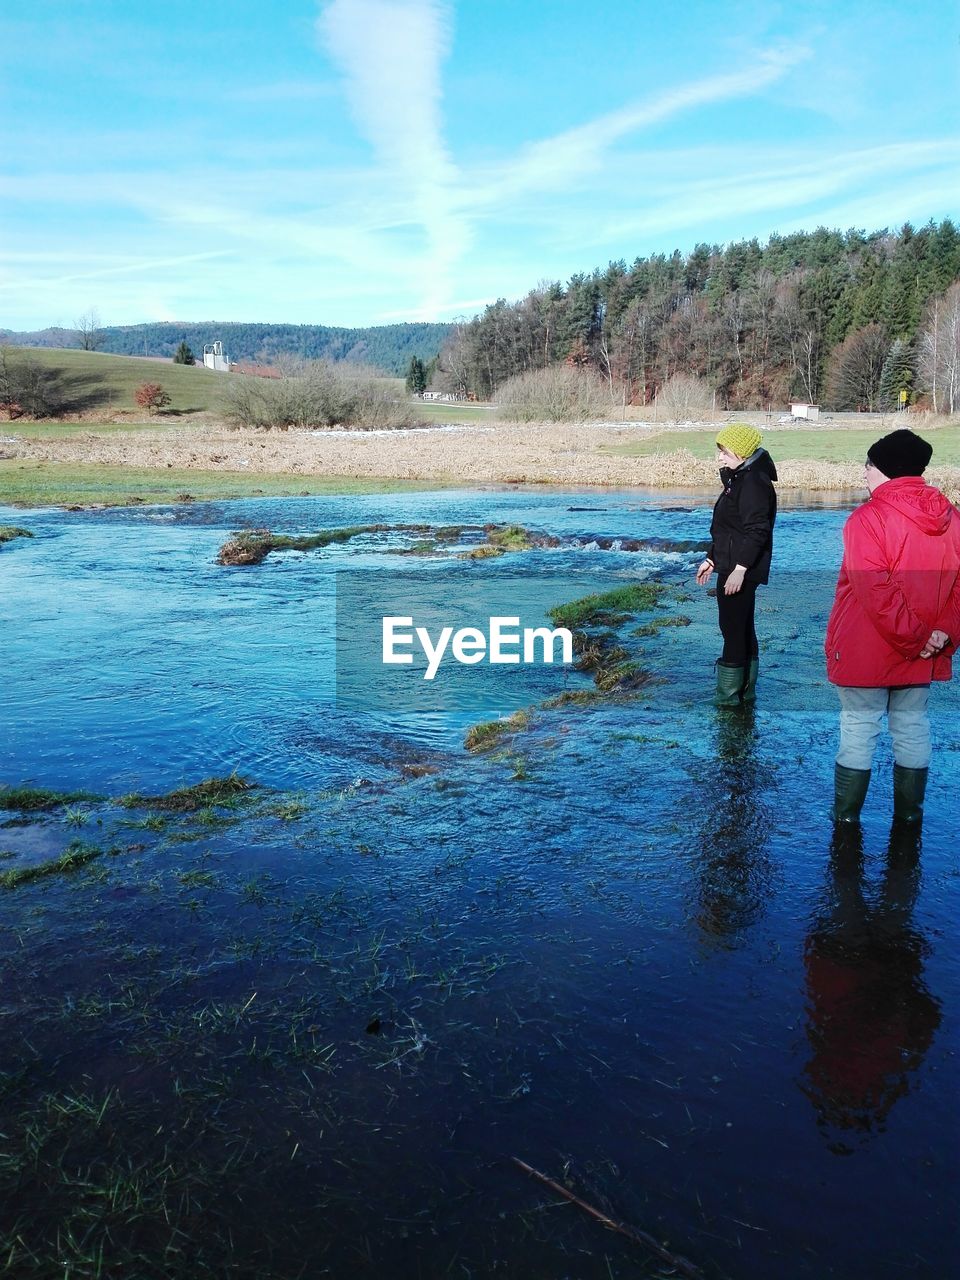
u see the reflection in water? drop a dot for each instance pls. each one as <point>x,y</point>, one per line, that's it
<point>870,1017</point>
<point>733,869</point>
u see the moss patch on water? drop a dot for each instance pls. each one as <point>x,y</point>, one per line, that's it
<point>486,551</point>
<point>488,734</point>
<point>438,539</point>
<point>607,608</point>
<point>509,537</point>
<point>76,855</point>
<point>252,546</point>
<point>10,531</point>
<point>212,792</point>
<point>593,621</point>
<point>39,799</point>
<point>656,625</point>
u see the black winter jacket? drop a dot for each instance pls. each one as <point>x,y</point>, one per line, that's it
<point>742,525</point>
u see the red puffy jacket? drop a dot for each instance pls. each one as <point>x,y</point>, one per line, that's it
<point>899,581</point>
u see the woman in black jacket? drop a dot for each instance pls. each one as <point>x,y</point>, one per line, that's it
<point>740,550</point>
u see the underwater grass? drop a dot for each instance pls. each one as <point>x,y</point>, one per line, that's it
<point>487,734</point>
<point>75,855</point>
<point>657,624</point>
<point>573,698</point>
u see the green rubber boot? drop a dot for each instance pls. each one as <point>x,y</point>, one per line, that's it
<point>750,688</point>
<point>850,791</point>
<point>909,788</point>
<point>730,681</point>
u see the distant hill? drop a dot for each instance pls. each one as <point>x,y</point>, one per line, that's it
<point>388,347</point>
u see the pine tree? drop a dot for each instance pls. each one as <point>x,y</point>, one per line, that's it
<point>945,254</point>
<point>896,375</point>
<point>416,376</point>
<point>900,306</point>
<point>183,354</point>
<point>869,291</point>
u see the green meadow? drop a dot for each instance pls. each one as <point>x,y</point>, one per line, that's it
<point>41,484</point>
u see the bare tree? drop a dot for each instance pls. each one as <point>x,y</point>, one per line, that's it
<point>800,337</point>
<point>685,398</point>
<point>453,369</point>
<point>761,301</point>
<point>940,352</point>
<point>88,330</point>
<point>853,381</point>
<point>638,345</point>
<point>735,322</point>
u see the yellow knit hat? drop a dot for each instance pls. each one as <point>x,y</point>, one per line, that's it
<point>740,438</point>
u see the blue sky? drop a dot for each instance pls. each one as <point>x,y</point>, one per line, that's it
<point>366,161</point>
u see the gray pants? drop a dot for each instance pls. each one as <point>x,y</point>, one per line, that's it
<point>861,722</point>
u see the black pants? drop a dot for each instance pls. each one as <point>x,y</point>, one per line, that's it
<point>736,624</point>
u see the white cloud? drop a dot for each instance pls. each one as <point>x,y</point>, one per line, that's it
<point>560,161</point>
<point>765,182</point>
<point>129,267</point>
<point>391,53</point>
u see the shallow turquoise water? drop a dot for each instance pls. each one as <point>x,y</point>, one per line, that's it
<point>634,958</point>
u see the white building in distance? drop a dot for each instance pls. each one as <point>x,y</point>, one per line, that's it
<point>213,357</point>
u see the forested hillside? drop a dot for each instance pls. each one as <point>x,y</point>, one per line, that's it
<point>850,319</point>
<point>387,347</point>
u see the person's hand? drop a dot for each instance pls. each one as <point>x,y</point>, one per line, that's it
<point>704,573</point>
<point>937,642</point>
<point>734,581</point>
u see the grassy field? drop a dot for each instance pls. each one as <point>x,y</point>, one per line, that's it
<point>848,445</point>
<point>42,484</point>
<point>192,388</point>
<point>432,412</point>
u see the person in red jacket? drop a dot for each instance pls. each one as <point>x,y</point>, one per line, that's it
<point>895,623</point>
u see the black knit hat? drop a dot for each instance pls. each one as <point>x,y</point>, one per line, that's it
<point>901,453</point>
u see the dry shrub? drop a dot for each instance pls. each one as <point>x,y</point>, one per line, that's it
<point>318,394</point>
<point>556,394</point>
<point>684,398</point>
<point>810,474</point>
<point>678,468</point>
<point>947,479</point>
<point>921,420</point>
